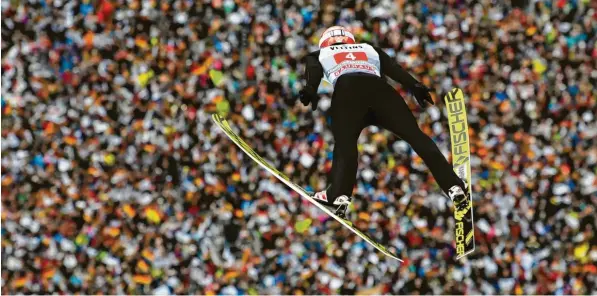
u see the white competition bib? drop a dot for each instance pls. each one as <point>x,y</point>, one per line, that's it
<point>348,58</point>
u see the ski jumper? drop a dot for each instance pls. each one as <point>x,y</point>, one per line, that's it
<point>362,98</point>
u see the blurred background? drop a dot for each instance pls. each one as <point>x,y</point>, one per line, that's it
<point>115,181</point>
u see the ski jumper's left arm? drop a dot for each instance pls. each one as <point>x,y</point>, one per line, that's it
<point>313,75</point>
<point>313,71</point>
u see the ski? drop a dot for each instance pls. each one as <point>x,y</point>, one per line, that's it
<point>227,129</point>
<point>465,226</point>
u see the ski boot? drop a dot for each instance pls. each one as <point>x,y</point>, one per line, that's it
<point>460,197</point>
<point>338,207</point>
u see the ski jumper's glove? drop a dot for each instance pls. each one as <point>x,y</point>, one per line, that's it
<point>421,93</point>
<point>308,95</point>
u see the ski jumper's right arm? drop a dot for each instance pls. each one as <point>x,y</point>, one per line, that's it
<point>391,68</point>
<point>313,75</point>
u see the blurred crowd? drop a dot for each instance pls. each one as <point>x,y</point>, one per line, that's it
<point>115,181</point>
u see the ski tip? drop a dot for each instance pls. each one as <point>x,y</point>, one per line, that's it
<point>392,255</point>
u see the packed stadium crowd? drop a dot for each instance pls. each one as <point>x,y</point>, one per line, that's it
<point>115,181</point>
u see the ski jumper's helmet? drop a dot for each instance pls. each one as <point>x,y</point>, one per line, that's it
<point>336,35</point>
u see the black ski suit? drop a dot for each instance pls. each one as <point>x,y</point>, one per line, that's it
<point>360,100</point>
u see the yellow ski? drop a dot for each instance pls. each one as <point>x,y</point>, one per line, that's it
<point>465,227</point>
<point>226,128</point>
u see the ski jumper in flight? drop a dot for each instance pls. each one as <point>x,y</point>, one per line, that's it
<point>362,97</point>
